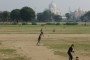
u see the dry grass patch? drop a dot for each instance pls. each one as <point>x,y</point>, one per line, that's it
<point>6,53</point>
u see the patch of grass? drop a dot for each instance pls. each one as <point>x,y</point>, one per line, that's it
<point>60,46</point>
<point>15,58</point>
<point>0,43</point>
<point>35,29</point>
<point>56,44</point>
<point>83,47</point>
<point>60,53</point>
<point>7,51</point>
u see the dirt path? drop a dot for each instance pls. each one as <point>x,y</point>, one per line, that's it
<point>26,45</point>
<point>34,52</point>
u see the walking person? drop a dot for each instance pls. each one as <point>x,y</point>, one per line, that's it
<point>70,51</point>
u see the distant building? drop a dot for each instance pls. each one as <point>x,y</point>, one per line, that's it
<point>75,16</point>
<point>64,19</point>
<point>54,9</point>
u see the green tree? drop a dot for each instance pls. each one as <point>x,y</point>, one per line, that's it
<point>44,16</point>
<point>15,15</point>
<point>85,18</point>
<point>40,17</point>
<point>68,16</point>
<point>0,16</point>
<point>47,15</point>
<point>57,18</point>
<point>27,14</point>
<point>5,16</point>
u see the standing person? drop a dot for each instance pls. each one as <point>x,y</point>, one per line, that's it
<point>70,50</point>
<point>39,38</point>
<point>41,32</point>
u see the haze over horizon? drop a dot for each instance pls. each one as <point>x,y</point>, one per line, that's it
<point>41,5</point>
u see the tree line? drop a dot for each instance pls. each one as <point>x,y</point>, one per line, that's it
<point>27,14</point>
<point>48,16</point>
<point>24,14</point>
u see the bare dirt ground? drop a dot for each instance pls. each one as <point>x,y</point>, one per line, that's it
<point>25,44</point>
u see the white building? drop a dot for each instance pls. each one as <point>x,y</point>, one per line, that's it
<point>54,9</point>
<point>77,14</point>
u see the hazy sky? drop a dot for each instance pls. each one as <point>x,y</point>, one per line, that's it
<point>40,5</point>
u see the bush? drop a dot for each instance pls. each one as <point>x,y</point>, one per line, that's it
<point>50,24</point>
<point>57,23</point>
<point>34,23</point>
<point>14,23</point>
<point>24,23</point>
<point>71,23</point>
<point>42,24</point>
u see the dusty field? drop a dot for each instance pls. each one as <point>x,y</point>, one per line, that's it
<point>25,44</point>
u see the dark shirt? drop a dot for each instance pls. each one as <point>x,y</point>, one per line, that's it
<point>70,50</point>
<point>39,37</point>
